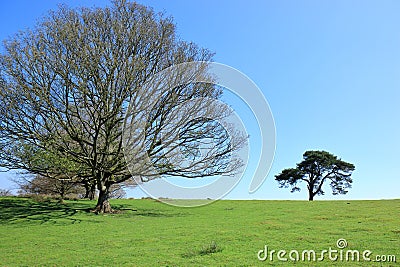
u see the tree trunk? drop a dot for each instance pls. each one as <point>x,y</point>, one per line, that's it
<point>87,190</point>
<point>90,191</point>
<point>103,203</point>
<point>62,193</point>
<point>310,196</point>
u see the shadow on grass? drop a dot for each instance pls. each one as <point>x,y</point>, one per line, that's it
<point>17,210</point>
<point>25,210</point>
<point>128,211</point>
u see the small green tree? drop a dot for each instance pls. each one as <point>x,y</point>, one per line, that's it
<point>59,187</point>
<point>317,168</point>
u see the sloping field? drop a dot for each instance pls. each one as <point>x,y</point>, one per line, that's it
<point>225,233</point>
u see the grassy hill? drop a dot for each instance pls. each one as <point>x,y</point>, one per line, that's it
<point>225,233</point>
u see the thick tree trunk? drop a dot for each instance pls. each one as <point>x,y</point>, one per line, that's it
<point>103,203</point>
<point>310,196</point>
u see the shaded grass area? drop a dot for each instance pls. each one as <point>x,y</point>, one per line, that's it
<point>225,233</point>
<point>23,210</point>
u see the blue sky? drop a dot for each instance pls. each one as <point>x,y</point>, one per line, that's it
<point>330,71</point>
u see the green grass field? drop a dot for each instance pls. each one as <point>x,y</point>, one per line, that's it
<point>225,233</point>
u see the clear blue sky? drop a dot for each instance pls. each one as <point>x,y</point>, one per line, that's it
<point>330,71</point>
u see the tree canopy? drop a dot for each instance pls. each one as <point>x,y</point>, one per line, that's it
<point>69,85</point>
<point>316,169</point>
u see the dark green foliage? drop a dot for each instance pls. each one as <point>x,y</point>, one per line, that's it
<point>316,168</point>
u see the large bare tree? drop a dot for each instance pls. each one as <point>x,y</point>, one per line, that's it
<point>69,85</point>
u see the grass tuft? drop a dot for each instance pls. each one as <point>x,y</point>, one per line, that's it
<point>205,250</point>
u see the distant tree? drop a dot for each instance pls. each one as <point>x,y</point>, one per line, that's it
<point>316,169</point>
<point>90,188</point>
<point>5,193</point>
<point>53,186</point>
<point>57,171</point>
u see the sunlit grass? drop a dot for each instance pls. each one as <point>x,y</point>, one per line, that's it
<point>225,233</point>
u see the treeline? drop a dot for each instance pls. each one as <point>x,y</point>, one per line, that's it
<point>63,188</point>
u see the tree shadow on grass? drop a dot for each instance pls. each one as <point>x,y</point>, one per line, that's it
<point>15,210</point>
<point>130,212</point>
<point>21,210</point>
